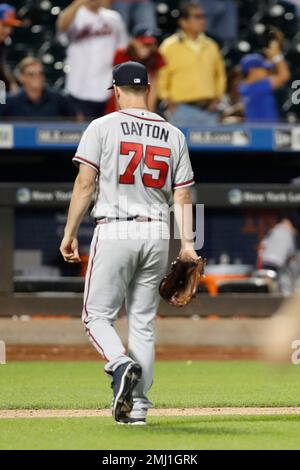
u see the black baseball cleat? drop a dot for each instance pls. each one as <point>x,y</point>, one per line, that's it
<point>125,378</point>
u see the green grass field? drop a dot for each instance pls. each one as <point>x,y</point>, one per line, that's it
<point>161,433</point>
<point>73,385</point>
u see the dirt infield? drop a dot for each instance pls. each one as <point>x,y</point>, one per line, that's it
<point>87,353</point>
<point>14,414</point>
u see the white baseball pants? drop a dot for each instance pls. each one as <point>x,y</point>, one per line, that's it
<point>127,262</point>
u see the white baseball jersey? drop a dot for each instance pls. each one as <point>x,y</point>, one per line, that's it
<point>93,39</point>
<point>140,159</point>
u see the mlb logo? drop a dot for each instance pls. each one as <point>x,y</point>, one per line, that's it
<point>137,80</point>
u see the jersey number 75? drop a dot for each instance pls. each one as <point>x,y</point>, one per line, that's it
<point>150,162</point>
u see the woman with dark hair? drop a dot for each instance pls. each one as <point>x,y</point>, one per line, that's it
<point>142,48</point>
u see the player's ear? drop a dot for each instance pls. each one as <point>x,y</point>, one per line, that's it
<point>117,92</point>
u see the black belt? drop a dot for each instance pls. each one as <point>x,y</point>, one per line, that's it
<point>200,104</point>
<point>137,218</point>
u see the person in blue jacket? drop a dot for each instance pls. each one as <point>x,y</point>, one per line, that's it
<point>262,78</point>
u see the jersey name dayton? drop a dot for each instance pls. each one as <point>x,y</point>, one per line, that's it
<point>140,160</point>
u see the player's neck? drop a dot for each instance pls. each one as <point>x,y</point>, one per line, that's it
<point>193,36</point>
<point>93,9</point>
<point>142,108</point>
<point>290,226</point>
<point>134,104</point>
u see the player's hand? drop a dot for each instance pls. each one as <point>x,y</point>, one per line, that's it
<point>170,107</point>
<point>188,255</point>
<point>273,49</point>
<point>213,105</point>
<point>69,249</point>
<point>14,87</point>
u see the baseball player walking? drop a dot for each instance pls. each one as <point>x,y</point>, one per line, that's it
<point>139,164</point>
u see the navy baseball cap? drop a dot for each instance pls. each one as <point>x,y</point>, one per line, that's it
<point>254,61</point>
<point>8,15</point>
<point>130,74</point>
<point>144,34</point>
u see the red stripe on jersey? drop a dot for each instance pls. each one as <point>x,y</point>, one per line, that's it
<point>182,184</point>
<point>84,160</point>
<point>143,118</point>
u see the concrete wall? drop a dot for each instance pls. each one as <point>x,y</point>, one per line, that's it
<point>169,331</point>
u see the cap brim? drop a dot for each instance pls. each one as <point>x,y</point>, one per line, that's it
<point>147,39</point>
<point>112,87</point>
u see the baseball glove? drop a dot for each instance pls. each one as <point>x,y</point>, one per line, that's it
<point>180,285</point>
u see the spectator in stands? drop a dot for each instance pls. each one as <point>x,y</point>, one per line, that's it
<point>143,48</point>
<point>194,79</point>
<point>295,4</point>
<point>35,99</point>
<point>136,12</point>
<point>222,19</point>
<point>94,34</point>
<point>278,251</point>
<point>231,105</point>
<point>261,79</point>
<point>8,21</point>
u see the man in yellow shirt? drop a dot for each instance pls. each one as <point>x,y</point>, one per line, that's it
<point>194,78</point>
